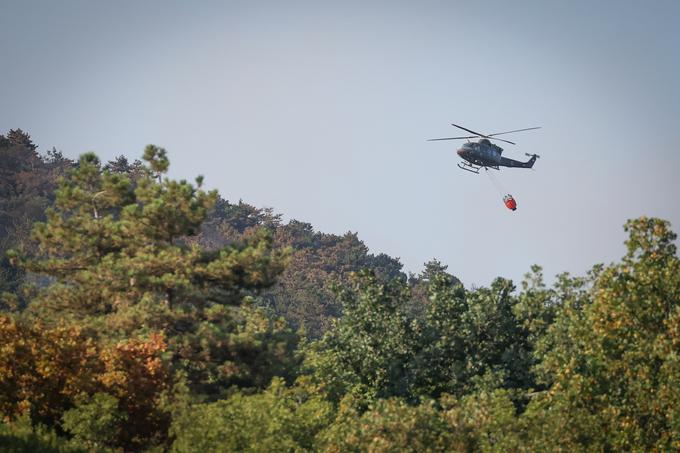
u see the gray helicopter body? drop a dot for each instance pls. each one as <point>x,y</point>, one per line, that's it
<point>484,154</point>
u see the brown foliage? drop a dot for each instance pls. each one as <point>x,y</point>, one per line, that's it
<point>43,370</point>
<point>134,372</point>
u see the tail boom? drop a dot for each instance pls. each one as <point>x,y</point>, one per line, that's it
<point>505,162</point>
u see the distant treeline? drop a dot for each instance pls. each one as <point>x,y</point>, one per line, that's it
<point>140,313</point>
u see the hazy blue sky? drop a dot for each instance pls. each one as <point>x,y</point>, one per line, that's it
<point>321,111</point>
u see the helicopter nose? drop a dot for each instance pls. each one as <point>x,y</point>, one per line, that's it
<point>460,152</point>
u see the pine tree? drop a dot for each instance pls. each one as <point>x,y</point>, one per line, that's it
<point>121,256</point>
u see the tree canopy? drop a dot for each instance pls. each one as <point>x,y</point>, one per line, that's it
<point>140,313</point>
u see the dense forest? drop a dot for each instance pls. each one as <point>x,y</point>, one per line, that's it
<point>141,313</point>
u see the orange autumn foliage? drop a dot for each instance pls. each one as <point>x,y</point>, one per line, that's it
<point>134,372</point>
<point>43,370</point>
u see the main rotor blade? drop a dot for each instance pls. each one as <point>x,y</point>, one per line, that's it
<point>517,130</point>
<point>452,138</point>
<point>468,130</point>
<point>500,140</point>
<point>472,136</point>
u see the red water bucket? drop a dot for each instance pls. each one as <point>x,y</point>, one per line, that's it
<point>510,202</point>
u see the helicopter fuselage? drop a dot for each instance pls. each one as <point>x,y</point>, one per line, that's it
<point>484,154</point>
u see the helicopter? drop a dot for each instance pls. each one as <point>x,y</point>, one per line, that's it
<point>484,154</point>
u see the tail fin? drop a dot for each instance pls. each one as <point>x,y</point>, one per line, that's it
<point>530,162</point>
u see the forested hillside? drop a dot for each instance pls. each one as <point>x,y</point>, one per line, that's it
<point>140,313</point>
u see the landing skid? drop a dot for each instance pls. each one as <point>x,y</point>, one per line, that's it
<point>469,167</point>
<point>474,168</point>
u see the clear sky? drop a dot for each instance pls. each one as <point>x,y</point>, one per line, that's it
<point>321,111</point>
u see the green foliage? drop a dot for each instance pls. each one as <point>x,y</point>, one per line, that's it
<point>537,305</point>
<point>160,305</point>
<point>157,159</point>
<point>129,287</point>
<point>483,421</point>
<point>615,375</point>
<point>494,339</point>
<point>94,422</point>
<point>461,342</point>
<point>420,286</point>
<point>303,294</point>
<point>391,426</point>
<point>279,419</point>
<point>124,265</point>
<point>23,437</point>
<point>369,352</point>
<point>242,348</point>
<point>112,245</point>
<point>480,422</point>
